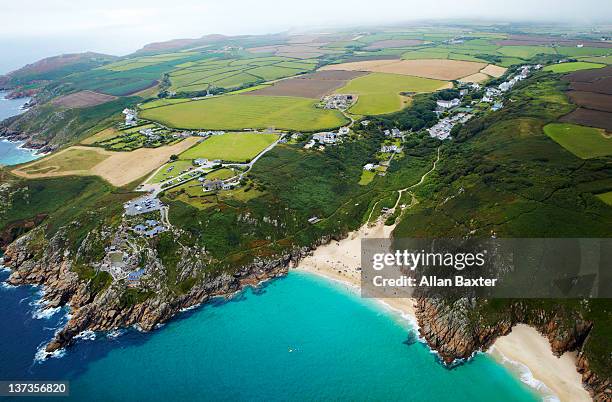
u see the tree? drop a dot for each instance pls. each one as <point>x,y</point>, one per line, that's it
<point>173,157</point>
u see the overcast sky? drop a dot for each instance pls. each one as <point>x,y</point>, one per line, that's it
<point>31,29</point>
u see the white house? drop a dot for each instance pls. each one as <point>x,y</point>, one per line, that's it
<point>325,137</point>
<point>343,131</point>
<point>391,149</point>
<point>130,117</point>
<point>447,104</point>
<point>369,166</point>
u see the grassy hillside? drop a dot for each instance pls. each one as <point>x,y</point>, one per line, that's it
<point>503,175</point>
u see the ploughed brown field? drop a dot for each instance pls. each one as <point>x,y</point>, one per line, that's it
<point>592,92</point>
<point>587,117</point>
<point>313,85</point>
<point>603,86</point>
<point>592,100</point>
<point>440,69</point>
<point>83,99</point>
<point>392,43</point>
<point>592,75</point>
<point>534,40</point>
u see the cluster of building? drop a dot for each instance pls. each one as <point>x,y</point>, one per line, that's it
<point>492,94</point>
<point>214,185</point>
<point>337,101</point>
<point>150,134</point>
<point>131,117</point>
<point>391,149</point>
<point>327,137</point>
<point>448,104</point>
<point>206,163</point>
<point>142,205</point>
<point>394,133</point>
<point>442,129</point>
<point>150,228</point>
<point>121,265</point>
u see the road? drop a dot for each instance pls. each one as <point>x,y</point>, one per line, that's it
<point>156,188</point>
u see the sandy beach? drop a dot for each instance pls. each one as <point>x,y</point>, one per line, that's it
<point>524,351</point>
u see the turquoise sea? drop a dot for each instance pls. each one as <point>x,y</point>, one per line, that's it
<point>295,338</point>
<point>10,153</point>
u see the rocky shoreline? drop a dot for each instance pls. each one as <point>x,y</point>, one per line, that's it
<point>26,141</point>
<point>450,331</point>
<point>52,269</point>
<point>446,327</point>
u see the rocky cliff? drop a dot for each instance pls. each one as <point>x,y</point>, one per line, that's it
<point>456,331</point>
<point>100,310</point>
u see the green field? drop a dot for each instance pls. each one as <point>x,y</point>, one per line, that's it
<point>574,66</point>
<point>146,61</point>
<point>72,159</point>
<point>525,52</point>
<point>584,142</point>
<point>162,102</point>
<point>235,147</point>
<point>379,93</point>
<point>221,174</point>
<point>574,51</point>
<point>602,59</point>
<point>236,112</point>
<point>606,197</point>
<point>366,177</point>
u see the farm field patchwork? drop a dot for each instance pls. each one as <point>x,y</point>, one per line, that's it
<point>584,142</point>
<point>573,66</point>
<point>314,85</point>
<point>236,112</point>
<point>441,69</point>
<point>234,147</point>
<point>235,72</point>
<point>379,93</point>
<point>146,61</point>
